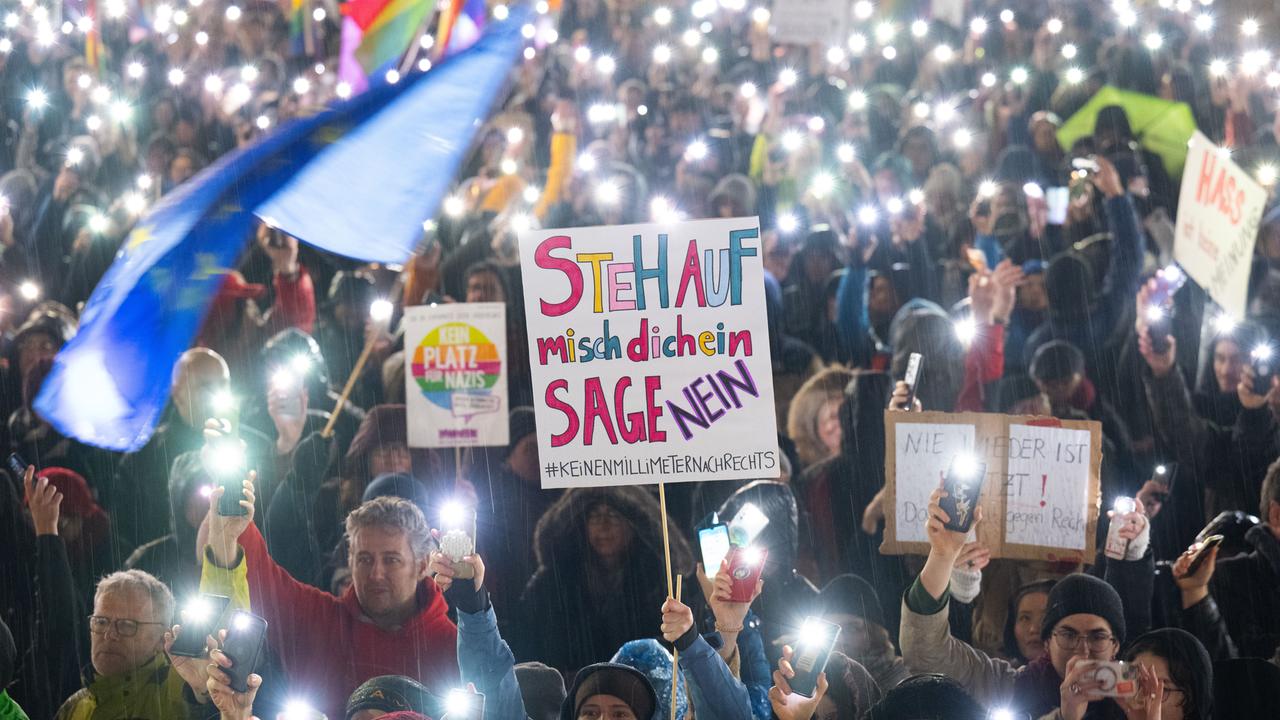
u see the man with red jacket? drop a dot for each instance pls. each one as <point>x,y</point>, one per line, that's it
<point>389,622</point>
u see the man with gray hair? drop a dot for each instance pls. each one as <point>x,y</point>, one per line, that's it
<point>132,676</point>
<point>391,621</point>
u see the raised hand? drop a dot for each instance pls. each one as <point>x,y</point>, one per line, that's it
<point>195,671</point>
<point>786,704</point>
<point>44,501</point>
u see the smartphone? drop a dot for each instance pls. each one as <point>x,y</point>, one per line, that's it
<point>1117,679</point>
<point>1262,358</point>
<point>912,377</point>
<point>17,465</point>
<point>1168,281</point>
<point>1209,543</point>
<point>1086,164</point>
<point>817,640</point>
<point>229,504</point>
<point>714,543</point>
<point>1058,199</point>
<point>464,705</point>
<point>200,617</point>
<point>1159,327</point>
<point>458,537</point>
<point>287,385</point>
<point>246,637</point>
<point>1117,547</point>
<point>745,566</point>
<point>747,525</point>
<point>963,484</point>
<point>1164,474</point>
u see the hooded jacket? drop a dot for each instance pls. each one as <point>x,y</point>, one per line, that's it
<point>571,615</point>
<point>173,558</point>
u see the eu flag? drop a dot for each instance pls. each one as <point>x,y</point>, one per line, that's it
<point>356,179</point>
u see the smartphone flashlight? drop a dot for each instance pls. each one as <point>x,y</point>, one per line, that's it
<point>380,310</point>
<point>1262,352</point>
<point>965,466</point>
<point>1155,313</point>
<point>457,702</point>
<point>229,456</point>
<point>242,621</point>
<point>812,633</point>
<point>300,364</point>
<point>966,330</point>
<point>1001,714</point>
<point>751,556</point>
<point>283,379</point>
<point>299,710</point>
<point>222,401</point>
<point>1124,505</point>
<point>196,610</point>
<point>453,514</point>
<point>1162,470</point>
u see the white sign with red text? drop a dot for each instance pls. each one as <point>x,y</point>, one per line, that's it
<point>649,349</point>
<point>1219,209</point>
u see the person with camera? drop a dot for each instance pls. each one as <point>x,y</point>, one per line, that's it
<point>392,619</point>
<point>1084,627</point>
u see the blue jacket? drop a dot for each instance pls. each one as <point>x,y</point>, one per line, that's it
<point>852,321</point>
<point>485,659</point>
<point>717,694</point>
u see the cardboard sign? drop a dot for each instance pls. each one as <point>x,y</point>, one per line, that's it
<point>1219,208</point>
<point>805,22</point>
<point>1040,497</point>
<point>649,350</point>
<point>456,374</point>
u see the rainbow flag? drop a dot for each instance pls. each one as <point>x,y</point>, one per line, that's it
<point>392,27</point>
<point>460,25</point>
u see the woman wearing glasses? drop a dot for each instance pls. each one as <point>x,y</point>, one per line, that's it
<point>1084,623</point>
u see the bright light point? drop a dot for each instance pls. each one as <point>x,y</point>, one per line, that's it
<point>823,185</point>
<point>792,140</point>
<point>520,223</point>
<point>213,84</point>
<point>943,53</point>
<point>1124,505</point>
<point>1126,17</point>
<point>233,13</point>
<point>121,112</point>
<point>1224,324</point>
<point>1204,22</point>
<point>987,189</point>
<point>788,77</point>
<point>582,54</point>
<point>509,166</point>
<point>835,55</point>
<point>1006,16</point>
<point>318,14</point>
<point>241,621</point>
<point>1155,313</point>
<point>1262,352</point>
<point>1001,714</point>
<point>426,42</point>
<point>816,124</point>
<point>1019,75</point>
<point>135,70</point>
<point>1218,67</point>
<point>919,28</point>
<point>602,113</point>
<point>84,24</point>
<point>531,194</point>
<point>965,465</point>
<point>978,26</point>
<point>454,206</point>
<point>240,94</point>
<point>966,330</point>
<point>868,215</point>
<point>515,135</point>
<point>1074,75</point>
<point>894,205</point>
<point>944,112</point>
<point>857,100</point>
<point>93,123</point>
<point>75,156</point>
<point>751,556</point>
<point>697,150</point>
<point>343,90</point>
<point>605,65</point>
<point>528,31</point>
<point>662,16</point>
<point>1070,51</point>
<point>100,95</point>
<point>788,223</point>
<point>29,291</point>
<point>393,76</point>
<point>206,491</point>
<point>1162,470</point>
<point>663,210</point>
<point>920,110</point>
<point>457,702</point>
<point>885,32</point>
<point>863,9</point>
<point>608,193</point>
<point>6,46</point>
<point>662,54</point>
<point>989,79</point>
<point>747,90</point>
<point>1249,27</point>
<point>542,7</point>
<point>145,182</point>
<point>857,43</point>
<point>846,153</point>
<point>134,203</point>
<point>37,99</point>
<point>196,611</point>
<point>915,196</point>
<point>1224,151</point>
<point>298,710</point>
<point>889,52</point>
<point>501,12</point>
<point>381,310</point>
<point>180,17</point>
<point>587,162</point>
<point>1273,79</point>
<point>1267,174</point>
<point>177,77</point>
<point>84,81</point>
<point>962,138</point>
<point>301,86</point>
<point>761,15</point>
<point>1053,25</point>
<point>710,56</point>
<point>1153,41</point>
<point>11,20</point>
<point>263,122</point>
<point>98,223</point>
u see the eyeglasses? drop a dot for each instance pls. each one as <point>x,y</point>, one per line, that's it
<point>1169,690</point>
<point>1069,639</point>
<point>125,627</point>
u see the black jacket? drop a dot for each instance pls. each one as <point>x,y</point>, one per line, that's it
<point>1247,590</point>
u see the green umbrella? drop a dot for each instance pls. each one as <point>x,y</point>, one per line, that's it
<point>1161,126</point>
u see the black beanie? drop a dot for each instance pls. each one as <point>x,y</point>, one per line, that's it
<point>852,595</point>
<point>1080,594</point>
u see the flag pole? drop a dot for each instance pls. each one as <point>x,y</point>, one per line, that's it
<point>412,53</point>
<point>358,369</point>
<point>675,652</point>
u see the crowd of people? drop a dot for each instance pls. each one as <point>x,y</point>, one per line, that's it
<point>915,196</point>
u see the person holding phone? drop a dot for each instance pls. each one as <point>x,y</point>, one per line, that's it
<point>1085,623</point>
<point>392,618</point>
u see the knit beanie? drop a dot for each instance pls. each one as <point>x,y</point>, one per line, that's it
<point>852,595</point>
<point>392,693</point>
<point>1079,594</point>
<point>542,688</point>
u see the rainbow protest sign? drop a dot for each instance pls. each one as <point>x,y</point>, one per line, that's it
<point>455,374</point>
<point>649,349</point>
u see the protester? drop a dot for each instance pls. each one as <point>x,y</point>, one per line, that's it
<point>609,690</point>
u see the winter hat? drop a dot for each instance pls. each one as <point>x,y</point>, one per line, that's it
<point>852,595</point>
<point>542,688</point>
<point>620,681</point>
<point>1057,360</point>
<point>398,485</point>
<point>404,715</point>
<point>1078,594</point>
<point>392,693</point>
<point>383,425</point>
<point>519,424</point>
<point>652,659</point>
<point>927,696</point>
<point>1245,688</point>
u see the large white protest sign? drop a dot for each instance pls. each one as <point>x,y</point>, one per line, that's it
<point>1219,208</point>
<point>649,349</point>
<point>923,451</point>
<point>805,22</point>
<point>1040,495</point>
<point>1048,487</point>
<point>456,374</point>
